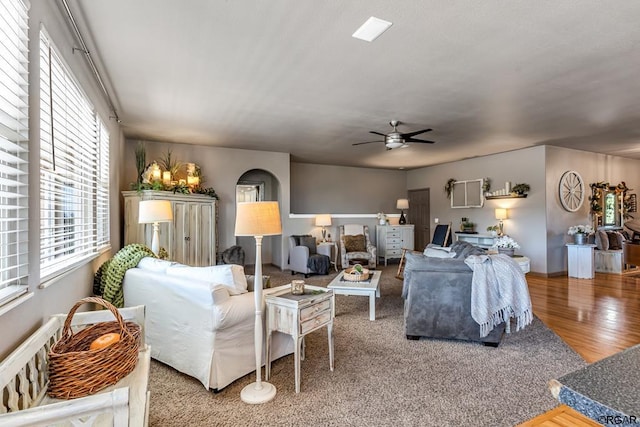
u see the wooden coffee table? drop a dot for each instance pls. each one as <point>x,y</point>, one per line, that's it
<point>370,288</point>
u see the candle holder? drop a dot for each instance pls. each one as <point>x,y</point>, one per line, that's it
<point>297,287</point>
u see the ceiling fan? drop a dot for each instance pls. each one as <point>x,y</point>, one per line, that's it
<point>397,139</point>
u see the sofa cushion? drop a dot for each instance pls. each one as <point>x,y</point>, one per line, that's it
<point>355,243</point>
<point>155,264</point>
<point>297,237</point>
<point>230,275</point>
<point>309,242</point>
<point>419,262</point>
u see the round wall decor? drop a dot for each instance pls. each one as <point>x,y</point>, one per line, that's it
<point>571,191</point>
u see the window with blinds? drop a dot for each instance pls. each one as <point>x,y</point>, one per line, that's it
<point>14,138</point>
<point>74,169</point>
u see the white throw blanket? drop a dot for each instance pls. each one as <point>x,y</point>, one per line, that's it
<point>498,292</point>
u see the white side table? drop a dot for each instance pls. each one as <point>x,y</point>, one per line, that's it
<point>581,261</point>
<point>298,315</point>
<point>329,249</point>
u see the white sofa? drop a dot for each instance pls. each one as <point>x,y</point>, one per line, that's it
<point>200,320</point>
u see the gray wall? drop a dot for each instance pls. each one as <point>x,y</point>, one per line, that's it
<point>527,217</point>
<point>60,295</point>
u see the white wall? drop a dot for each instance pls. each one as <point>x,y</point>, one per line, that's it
<point>59,297</point>
<point>527,217</point>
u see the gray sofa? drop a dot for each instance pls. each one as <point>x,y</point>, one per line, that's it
<point>437,297</point>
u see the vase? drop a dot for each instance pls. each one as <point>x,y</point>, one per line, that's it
<point>579,238</point>
<point>506,251</point>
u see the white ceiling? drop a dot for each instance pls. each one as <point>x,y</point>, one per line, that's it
<point>286,75</point>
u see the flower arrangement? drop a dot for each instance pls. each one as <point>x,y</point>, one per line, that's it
<point>382,218</point>
<point>506,242</point>
<point>580,229</point>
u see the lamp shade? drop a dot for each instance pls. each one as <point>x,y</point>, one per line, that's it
<point>323,220</point>
<point>501,213</point>
<point>402,204</point>
<point>151,211</point>
<point>258,219</point>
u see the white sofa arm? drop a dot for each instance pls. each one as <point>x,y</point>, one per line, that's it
<point>298,258</point>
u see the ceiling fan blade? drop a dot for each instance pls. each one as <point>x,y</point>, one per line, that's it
<point>377,133</point>
<point>414,133</point>
<point>424,141</point>
<point>368,142</point>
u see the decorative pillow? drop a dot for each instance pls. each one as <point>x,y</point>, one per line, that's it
<point>309,242</point>
<point>442,248</point>
<point>297,237</point>
<point>230,275</point>
<point>602,240</point>
<point>438,253</point>
<point>615,240</point>
<point>355,243</point>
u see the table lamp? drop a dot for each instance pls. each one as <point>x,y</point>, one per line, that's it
<point>258,219</point>
<point>501,214</point>
<point>323,221</point>
<point>154,212</point>
<point>402,204</point>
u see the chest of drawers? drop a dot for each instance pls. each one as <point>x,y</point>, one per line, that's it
<point>391,239</point>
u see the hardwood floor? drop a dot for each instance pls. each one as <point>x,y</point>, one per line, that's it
<point>597,318</point>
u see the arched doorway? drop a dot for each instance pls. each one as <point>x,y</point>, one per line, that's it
<point>259,185</point>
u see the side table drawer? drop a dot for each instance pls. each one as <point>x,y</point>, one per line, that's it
<point>309,312</point>
<point>313,323</point>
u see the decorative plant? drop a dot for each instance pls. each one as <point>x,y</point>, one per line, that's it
<point>141,160</point>
<point>486,185</point>
<point>493,228</point>
<point>506,242</point>
<point>448,188</point>
<point>520,189</point>
<point>169,164</point>
<point>580,229</point>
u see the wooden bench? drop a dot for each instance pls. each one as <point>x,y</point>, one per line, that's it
<point>24,382</point>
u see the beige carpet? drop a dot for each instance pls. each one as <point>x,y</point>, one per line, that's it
<point>380,377</point>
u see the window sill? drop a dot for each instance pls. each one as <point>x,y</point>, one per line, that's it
<point>15,301</point>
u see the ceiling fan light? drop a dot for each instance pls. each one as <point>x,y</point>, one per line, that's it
<point>394,144</point>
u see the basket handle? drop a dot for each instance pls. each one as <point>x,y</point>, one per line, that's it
<point>68,333</point>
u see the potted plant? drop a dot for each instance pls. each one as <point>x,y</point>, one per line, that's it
<point>448,188</point>
<point>493,229</point>
<point>506,245</point>
<point>467,226</point>
<point>520,189</point>
<point>580,233</point>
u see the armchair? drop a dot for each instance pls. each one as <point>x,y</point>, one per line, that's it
<point>304,259</point>
<point>352,246</point>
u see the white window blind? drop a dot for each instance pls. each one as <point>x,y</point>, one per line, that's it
<point>74,168</point>
<point>14,139</point>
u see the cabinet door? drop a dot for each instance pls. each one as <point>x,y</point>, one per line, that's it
<point>180,247</point>
<point>201,234</point>
<point>407,238</point>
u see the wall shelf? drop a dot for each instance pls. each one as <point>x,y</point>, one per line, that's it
<point>518,196</point>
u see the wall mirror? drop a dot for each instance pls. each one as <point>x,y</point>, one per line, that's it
<point>467,194</point>
<point>248,191</point>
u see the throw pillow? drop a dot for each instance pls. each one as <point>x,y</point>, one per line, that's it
<point>438,253</point>
<point>355,243</point>
<point>309,242</point>
<point>615,241</point>
<point>230,275</point>
<point>602,240</point>
<point>297,238</point>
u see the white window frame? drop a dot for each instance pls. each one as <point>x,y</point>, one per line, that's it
<point>14,139</point>
<point>74,169</point>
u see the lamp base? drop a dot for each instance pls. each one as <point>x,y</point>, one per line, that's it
<point>250,394</point>
<point>402,220</point>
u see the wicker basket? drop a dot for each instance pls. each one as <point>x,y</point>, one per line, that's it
<point>75,371</point>
<point>351,275</point>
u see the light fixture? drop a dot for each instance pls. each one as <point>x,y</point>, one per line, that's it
<point>154,212</point>
<point>372,29</point>
<point>323,221</point>
<point>501,214</point>
<point>258,219</point>
<point>402,204</point>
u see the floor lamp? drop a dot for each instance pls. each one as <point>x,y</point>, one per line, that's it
<point>258,219</point>
<point>154,212</point>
